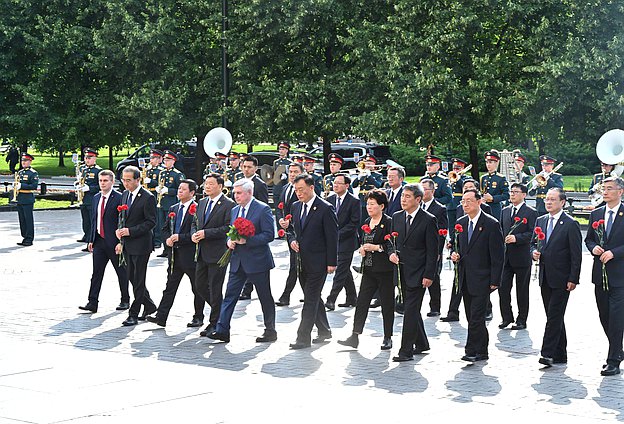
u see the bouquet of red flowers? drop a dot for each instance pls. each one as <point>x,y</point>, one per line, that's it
<point>242,228</point>
<point>392,238</point>
<point>516,224</point>
<point>599,228</point>
<point>121,222</point>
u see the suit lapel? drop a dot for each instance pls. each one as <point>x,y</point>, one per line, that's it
<point>476,231</point>
<point>311,212</point>
<point>556,224</point>
<point>617,219</point>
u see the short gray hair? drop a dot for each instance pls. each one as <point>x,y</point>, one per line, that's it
<point>245,183</point>
<point>416,189</point>
<point>136,173</point>
<point>619,182</point>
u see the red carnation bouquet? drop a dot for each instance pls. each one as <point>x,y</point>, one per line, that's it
<point>242,228</point>
<point>392,239</point>
<point>121,223</point>
<point>599,228</point>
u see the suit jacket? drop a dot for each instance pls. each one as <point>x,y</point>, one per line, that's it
<point>614,243</point>
<point>395,206</point>
<point>560,261</point>
<point>111,218</point>
<point>318,238</point>
<point>348,217</point>
<point>439,211</point>
<point>255,256</point>
<point>381,261</point>
<point>184,245</point>
<point>140,220</point>
<point>481,259</point>
<point>281,213</point>
<point>260,191</point>
<point>215,228</point>
<point>518,254</point>
<point>417,248</point>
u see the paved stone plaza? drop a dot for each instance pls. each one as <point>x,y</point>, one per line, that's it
<point>58,364</point>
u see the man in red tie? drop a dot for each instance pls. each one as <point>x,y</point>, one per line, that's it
<point>102,241</point>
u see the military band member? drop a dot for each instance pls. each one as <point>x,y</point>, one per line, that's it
<point>443,192</point>
<point>234,166</point>
<point>26,187</point>
<point>90,188</point>
<point>554,181</point>
<point>335,165</point>
<point>494,185</point>
<point>597,180</point>
<point>308,166</point>
<point>368,180</point>
<point>520,160</point>
<point>151,183</point>
<point>457,188</point>
<point>169,180</point>
<point>280,165</point>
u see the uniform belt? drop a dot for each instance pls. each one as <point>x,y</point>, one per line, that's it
<point>27,191</point>
<point>540,196</point>
<point>152,189</point>
<point>458,194</point>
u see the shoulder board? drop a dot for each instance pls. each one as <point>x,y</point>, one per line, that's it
<point>176,170</point>
<point>98,167</point>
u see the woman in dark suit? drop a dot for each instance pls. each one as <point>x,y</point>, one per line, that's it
<point>377,270</point>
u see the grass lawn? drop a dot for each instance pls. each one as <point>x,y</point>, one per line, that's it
<point>570,182</point>
<point>42,203</point>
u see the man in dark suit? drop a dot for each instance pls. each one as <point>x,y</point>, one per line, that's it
<point>287,198</point>
<point>102,241</point>
<point>251,260</point>
<point>521,217</point>
<point>213,216</point>
<point>348,213</point>
<point>559,269</point>
<point>315,238</point>
<point>394,190</point>
<point>177,230</point>
<point>438,210</point>
<point>416,251</point>
<point>136,240</point>
<point>608,252</point>
<point>480,257</point>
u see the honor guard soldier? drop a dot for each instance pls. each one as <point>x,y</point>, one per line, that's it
<point>90,175</point>
<point>595,188</point>
<point>167,190</point>
<point>368,180</point>
<point>335,164</point>
<point>457,188</point>
<point>280,168</point>
<point>538,190</point>
<point>494,185</point>
<point>216,165</point>
<point>151,183</point>
<point>308,166</point>
<point>443,192</point>
<point>520,160</point>
<point>28,180</point>
<point>233,167</point>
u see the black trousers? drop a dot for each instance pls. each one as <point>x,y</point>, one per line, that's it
<point>611,312</point>
<point>478,337</point>
<point>291,280</point>
<point>174,277</point>
<point>161,216</point>
<point>313,312</point>
<point>456,299</point>
<point>371,282</point>
<point>85,213</point>
<point>209,280</point>
<point>102,254</point>
<point>137,268</point>
<point>523,278</point>
<point>343,278</point>
<point>26,222</point>
<point>414,336</point>
<point>435,291</point>
<point>555,341</point>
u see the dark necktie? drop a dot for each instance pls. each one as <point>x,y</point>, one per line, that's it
<point>102,216</point>
<point>549,229</point>
<point>242,213</point>
<point>337,205</point>
<point>408,223</point>
<point>304,215</point>
<point>391,197</point>
<point>470,230</point>
<point>208,210</point>
<point>129,200</point>
<point>288,193</point>
<point>513,212</point>
<point>178,222</point>
<point>609,223</point>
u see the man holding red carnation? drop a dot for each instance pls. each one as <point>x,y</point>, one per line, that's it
<point>251,259</point>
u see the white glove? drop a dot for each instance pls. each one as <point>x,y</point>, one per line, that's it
<point>163,190</point>
<point>17,186</point>
<point>534,185</point>
<point>147,180</point>
<point>284,177</point>
<point>84,188</point>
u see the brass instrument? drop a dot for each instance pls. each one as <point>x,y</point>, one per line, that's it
<point>161,184</point>
<point>454,176</point>
<point>15,183</point>
<point>610,150</point>
<point>543,177</point>
<point>79,183</point>
<point>596,197</point>
<point>144,170</point>
<point>219,140</point>
<point>508,166</point>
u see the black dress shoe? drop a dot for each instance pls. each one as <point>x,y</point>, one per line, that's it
<point>195,322</point>
<point>282,302</point>
<point>351,341</point>
<point>156,321</point>
<point>347,304</point>
<point>322,338</point>
<point>376,304</point>
<point>162,255</point>
<point>299,345</point>
<point>209,329</point>
<point>402,358</point>
<point>519,326</point>
<point>123,306</point>
<point>419,350</point>
<point>26,244</point>
<point>219,336</point>
<point>450,318</point>
<point>86,249</point>
<point>504,324</point>
<point>482,357</point>
<point>330,306</point>
<point>146,313</point>
<point>267,337</point>
<point>489,316</point>
<point>130,321</point>
<point>433,314</point>
<point>561,361</point>
<point>610,370</point>
<point>386,344</point>
<point>82,240</point>
<point>357,269</point>
<point>244,296</point>
<point>546,361</point>
<point>91,307</point>
<point>469,358</point>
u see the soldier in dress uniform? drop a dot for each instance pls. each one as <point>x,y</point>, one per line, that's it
<point>90,174</point>
<point>443,192</point>
<point>151,182</point>
<point>494,185</point>
<point>555,180</point>
<point>233,167</point>
<point>598,178</point>
<point>283,148</point>
<point>520,160</point>
<point>308,166</point>
<point>170,179</point>
<point>457,188</point>
<point>26,187</point>
<point>335,165</point>
<point>368,180</point>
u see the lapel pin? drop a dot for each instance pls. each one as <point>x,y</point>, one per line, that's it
<point>560,222</point>
<point>621,214</point>
<point>139,195</point>
<point>480,228</point>
<point>381,225</point>
<point>314,208</point>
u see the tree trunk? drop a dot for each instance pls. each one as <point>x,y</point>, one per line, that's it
<point>61,162</point>
<point>110,157</point>
<point>474,159</point>
<point>200,158</point>
<point>326,152</point>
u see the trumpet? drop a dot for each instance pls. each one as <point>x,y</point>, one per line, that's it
<point>80,181</point>
<point>15,183</point>
<point>542,178</point>
<point>454,176</point>
<point>161,184</point>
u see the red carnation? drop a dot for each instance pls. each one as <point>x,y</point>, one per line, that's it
<point>288,217</point>
<point>280,205</point>
<point>541,236</point>
<point>366,229</point>
<point>119,208</point>
<point>171,215</point>
<point>595,225</point>
<point>517,218</point>
<point>387,237</point>
<point>601,222</point>
<point>281,233</point>
<point>244,227</point>
<point>459,228</point>
<point>192,209</point>
<point>443,232</point>
<point>538,230</point>
<point>395,234</point>
<point>524,220</point>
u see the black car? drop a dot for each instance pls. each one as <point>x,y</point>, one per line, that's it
<point>185,151</point>
<point>352,153</point>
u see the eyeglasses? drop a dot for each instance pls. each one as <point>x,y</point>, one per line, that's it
<point>611,189</point>
<point>467,201</point>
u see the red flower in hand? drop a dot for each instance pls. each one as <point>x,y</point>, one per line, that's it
<point>192,209</point>
<point>541,236</point>
<point>171,215</point>
<point>443,232</point>
<point>459,228</point>
<point>366,229</point>
<point>387,237</point>
<point>395,234</point>
<point>517,218</point>
<point>524,220</point>
<point>122,208</point>
<point>288,217</point>
<point>244,227</point>
<point>538,230</point>
<point>281,233</point>
<point>601,222</point>
<point>280,205</point>
<point>595,225</point>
